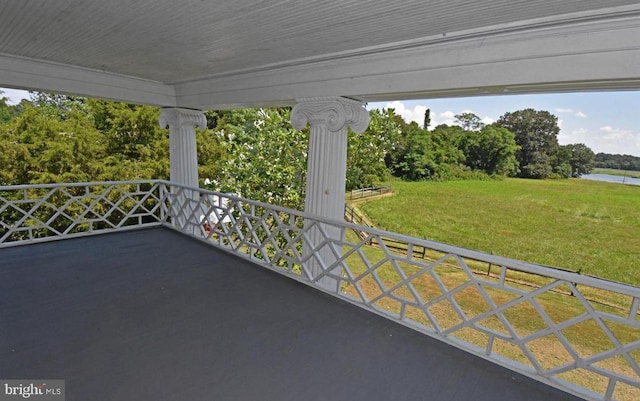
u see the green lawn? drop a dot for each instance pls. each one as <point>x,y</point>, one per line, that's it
<point>590,226</point>
<point>611,171</point>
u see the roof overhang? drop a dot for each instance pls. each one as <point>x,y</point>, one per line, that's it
<point>581,51</point>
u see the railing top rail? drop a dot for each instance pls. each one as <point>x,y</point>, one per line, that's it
<point>514,264</point>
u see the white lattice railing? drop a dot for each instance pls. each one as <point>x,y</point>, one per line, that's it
<point>30,213</point>
<point>575,332</point>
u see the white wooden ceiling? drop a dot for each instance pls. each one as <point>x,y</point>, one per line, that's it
<point>199,53</point>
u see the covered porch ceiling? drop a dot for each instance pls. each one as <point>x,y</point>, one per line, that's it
<point>243,53</point>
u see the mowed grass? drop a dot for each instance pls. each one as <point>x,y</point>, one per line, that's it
<point>579,225</point>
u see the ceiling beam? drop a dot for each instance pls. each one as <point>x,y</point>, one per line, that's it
<point>28,74</point>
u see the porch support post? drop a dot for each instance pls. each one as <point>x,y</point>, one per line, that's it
<point>183,160</point>
<point>329,119</point>
<point>183,157</point>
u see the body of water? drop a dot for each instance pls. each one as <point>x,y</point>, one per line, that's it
<point>612,178</point>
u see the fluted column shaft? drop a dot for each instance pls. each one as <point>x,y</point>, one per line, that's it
<point>183,155</point>
<point>329,119</point>
<point>183,159</point>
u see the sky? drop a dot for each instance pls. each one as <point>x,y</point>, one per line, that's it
<point>606,122</point>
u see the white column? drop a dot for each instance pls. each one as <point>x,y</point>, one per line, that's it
<point>183,156</point>
<point>329,119</point>
<point>183,160</point>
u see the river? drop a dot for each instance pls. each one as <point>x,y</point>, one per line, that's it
<point>612,178</point>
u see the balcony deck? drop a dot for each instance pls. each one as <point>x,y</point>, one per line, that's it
<point>155,315</point>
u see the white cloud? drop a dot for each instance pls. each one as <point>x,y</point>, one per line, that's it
<point>447,117</point>
<point>564,110</point>
<point>416,114</point>
<point>612,133</point>
<point>605,139</point>
<point>488,120</point>
<point>580,135</point>
<point>574,112</point>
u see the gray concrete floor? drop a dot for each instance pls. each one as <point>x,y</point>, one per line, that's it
<point>155,315</point>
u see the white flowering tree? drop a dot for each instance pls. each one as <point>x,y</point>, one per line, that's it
<point>366,152</point>
<point>266,157</point>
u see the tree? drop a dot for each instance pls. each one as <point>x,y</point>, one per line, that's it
<point>492,150</point>
<point>537,135</point>
<point>415,161</point>
<point>620,162</point>
<point>562,162</point>
<point>469,122</point>
<point>9,112</point>
<point>427,119</point>
<point>137,147</point>
<point>582,159</point>
<point>266,156</point>
<point>6,111</point>
<point>45,147</point>
<point>538,167</point>
<point>367,152</point>
<point>446,146</point>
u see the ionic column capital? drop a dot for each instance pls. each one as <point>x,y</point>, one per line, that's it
<point>178,118</point>
<point>336,113</point>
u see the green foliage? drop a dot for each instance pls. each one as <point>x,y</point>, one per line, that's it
<point>414,157</point>
<point>536,132</point>
<point>572,160</point>
<point>44,147</point>
<point>469,122</point>
<point>366,152</point>
<point>492,150</point>
<point>136,146</point>
<point>582,159</point>
<point>7,112</point>
<point>427,119</point>
<point>58,138</point>
<point>618,162</point>
<point>471,151</point>
<point>265,157</point>
<point>543,157</point>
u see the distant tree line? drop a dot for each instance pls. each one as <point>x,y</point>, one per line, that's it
<point>257,153</point>
<point>522,144</point>
<point>619,162</point>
